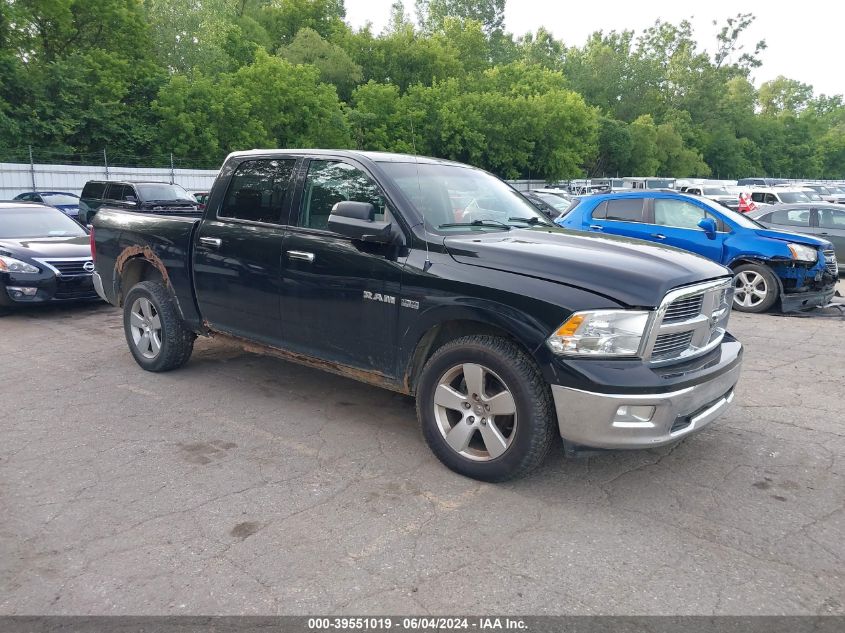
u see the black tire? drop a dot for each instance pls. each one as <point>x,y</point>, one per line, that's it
<point>176,341</point>
<point>767,281</point>
<point>533,426</point>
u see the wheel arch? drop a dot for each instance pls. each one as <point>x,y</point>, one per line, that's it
<point>759,261</point>
<point>437,334</point>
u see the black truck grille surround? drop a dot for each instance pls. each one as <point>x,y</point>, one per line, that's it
<point>830,263</point>
<point>689,322</point>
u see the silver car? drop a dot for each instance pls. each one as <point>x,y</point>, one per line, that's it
<point>820,219</point>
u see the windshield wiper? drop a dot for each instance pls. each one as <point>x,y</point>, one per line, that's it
<point>530,221</point>
<point>495,223</point>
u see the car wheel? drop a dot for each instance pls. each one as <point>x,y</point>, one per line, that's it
<point>157,337</point>
<point>755,288</point>
<point>484,408</point>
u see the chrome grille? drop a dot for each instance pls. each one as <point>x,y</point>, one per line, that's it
<point>690,321</point>
<point>830,263</point>
<point>68,267</point>
<point>671,345</point>
<point>683,309</point>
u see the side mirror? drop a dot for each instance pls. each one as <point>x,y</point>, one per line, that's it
<point>357,221</point>
<point>708,225</point>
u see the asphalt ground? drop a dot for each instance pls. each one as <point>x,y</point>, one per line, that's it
<point>244,484</point>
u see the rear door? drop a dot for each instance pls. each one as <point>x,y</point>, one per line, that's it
<point>675,222</point>
<point>620,216</point>
<point>341,297</point>
<point>238,247</point>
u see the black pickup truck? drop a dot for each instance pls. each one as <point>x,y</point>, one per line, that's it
<point>436,280</point>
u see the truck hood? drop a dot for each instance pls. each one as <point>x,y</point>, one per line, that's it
<point>798,238</point>
<point>47,247</point>
<point>633,272</point>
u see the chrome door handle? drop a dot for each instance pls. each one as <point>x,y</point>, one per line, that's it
<point>658,236</point>
<point>301,255</point>
<point>213,242</point>
<point>595,227</point>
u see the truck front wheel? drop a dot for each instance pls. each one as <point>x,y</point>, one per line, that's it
<point>157,337</point>
<point>485,410</point>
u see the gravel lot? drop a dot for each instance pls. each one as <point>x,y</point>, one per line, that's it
<point>244,484</point>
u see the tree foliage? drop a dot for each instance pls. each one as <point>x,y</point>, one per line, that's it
<point>200,79</point>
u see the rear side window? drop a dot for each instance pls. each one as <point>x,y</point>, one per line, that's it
<point>790,217</point>
<point>94,190</point>
<point>625,210</point>
<point>258,191</point>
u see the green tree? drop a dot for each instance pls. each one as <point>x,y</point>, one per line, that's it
<point>432,14</point>
<point>335,65</point>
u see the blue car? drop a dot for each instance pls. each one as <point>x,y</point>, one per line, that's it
<point>67,203</point>
<point>797,271</point>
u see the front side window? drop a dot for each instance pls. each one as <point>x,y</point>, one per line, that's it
<point>625,210</point>
<point>117,192</point>
<point>831,219</point>
<point>677,213</point>
<point>330,182</point>
<point>258,191</point>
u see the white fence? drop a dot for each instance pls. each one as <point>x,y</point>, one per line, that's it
<point>17,178</point>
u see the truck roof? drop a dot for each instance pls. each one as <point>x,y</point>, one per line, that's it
<point>376,157</point>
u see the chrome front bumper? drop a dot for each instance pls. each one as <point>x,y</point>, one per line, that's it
<point>591,419</point>
<point>98,286</point>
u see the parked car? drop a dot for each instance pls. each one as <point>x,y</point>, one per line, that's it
<point>162,198</point>
<point>717,193</point>
<point>201,197</point>
<point>779,195</point>
<point>759,182</point>
<point>506,329</point>
<point>45,256</point>
<point>558,193</point>
<point>551,205</point>
<point>821,219</point>
<point>67,203</point>
<point>827,193</point>
<point>769,266</point>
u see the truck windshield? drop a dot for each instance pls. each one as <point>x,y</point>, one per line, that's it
<point>37,222</point>
<point>162,192</point>
<point>455,198</point>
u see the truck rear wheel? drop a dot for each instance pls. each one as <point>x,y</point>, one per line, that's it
<point>157,337</point>
<point>485,409</point>
<point>755,288</point>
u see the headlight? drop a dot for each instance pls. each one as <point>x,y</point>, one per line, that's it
<point>803,253</point>
<point>601,333</point>
<point>12,265</point>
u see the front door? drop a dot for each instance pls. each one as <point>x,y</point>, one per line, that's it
<point>238,250</point>
<point>832,228</point>
<point>341,297</point>
<point>677,221</point>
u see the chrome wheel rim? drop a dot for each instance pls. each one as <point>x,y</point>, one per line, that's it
<point>475,412</point>
<point>750,289</point>
<point>145,326</point>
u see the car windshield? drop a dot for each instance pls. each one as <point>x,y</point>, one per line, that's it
<point>454,198</point>
<point>561,204</point>
<point>59,198</point>
<point>163,191</point>
<point>37,222</point>
<point>716,191</point>
<point>793,196</point>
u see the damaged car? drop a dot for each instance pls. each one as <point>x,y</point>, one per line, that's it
<point>771,268</point>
